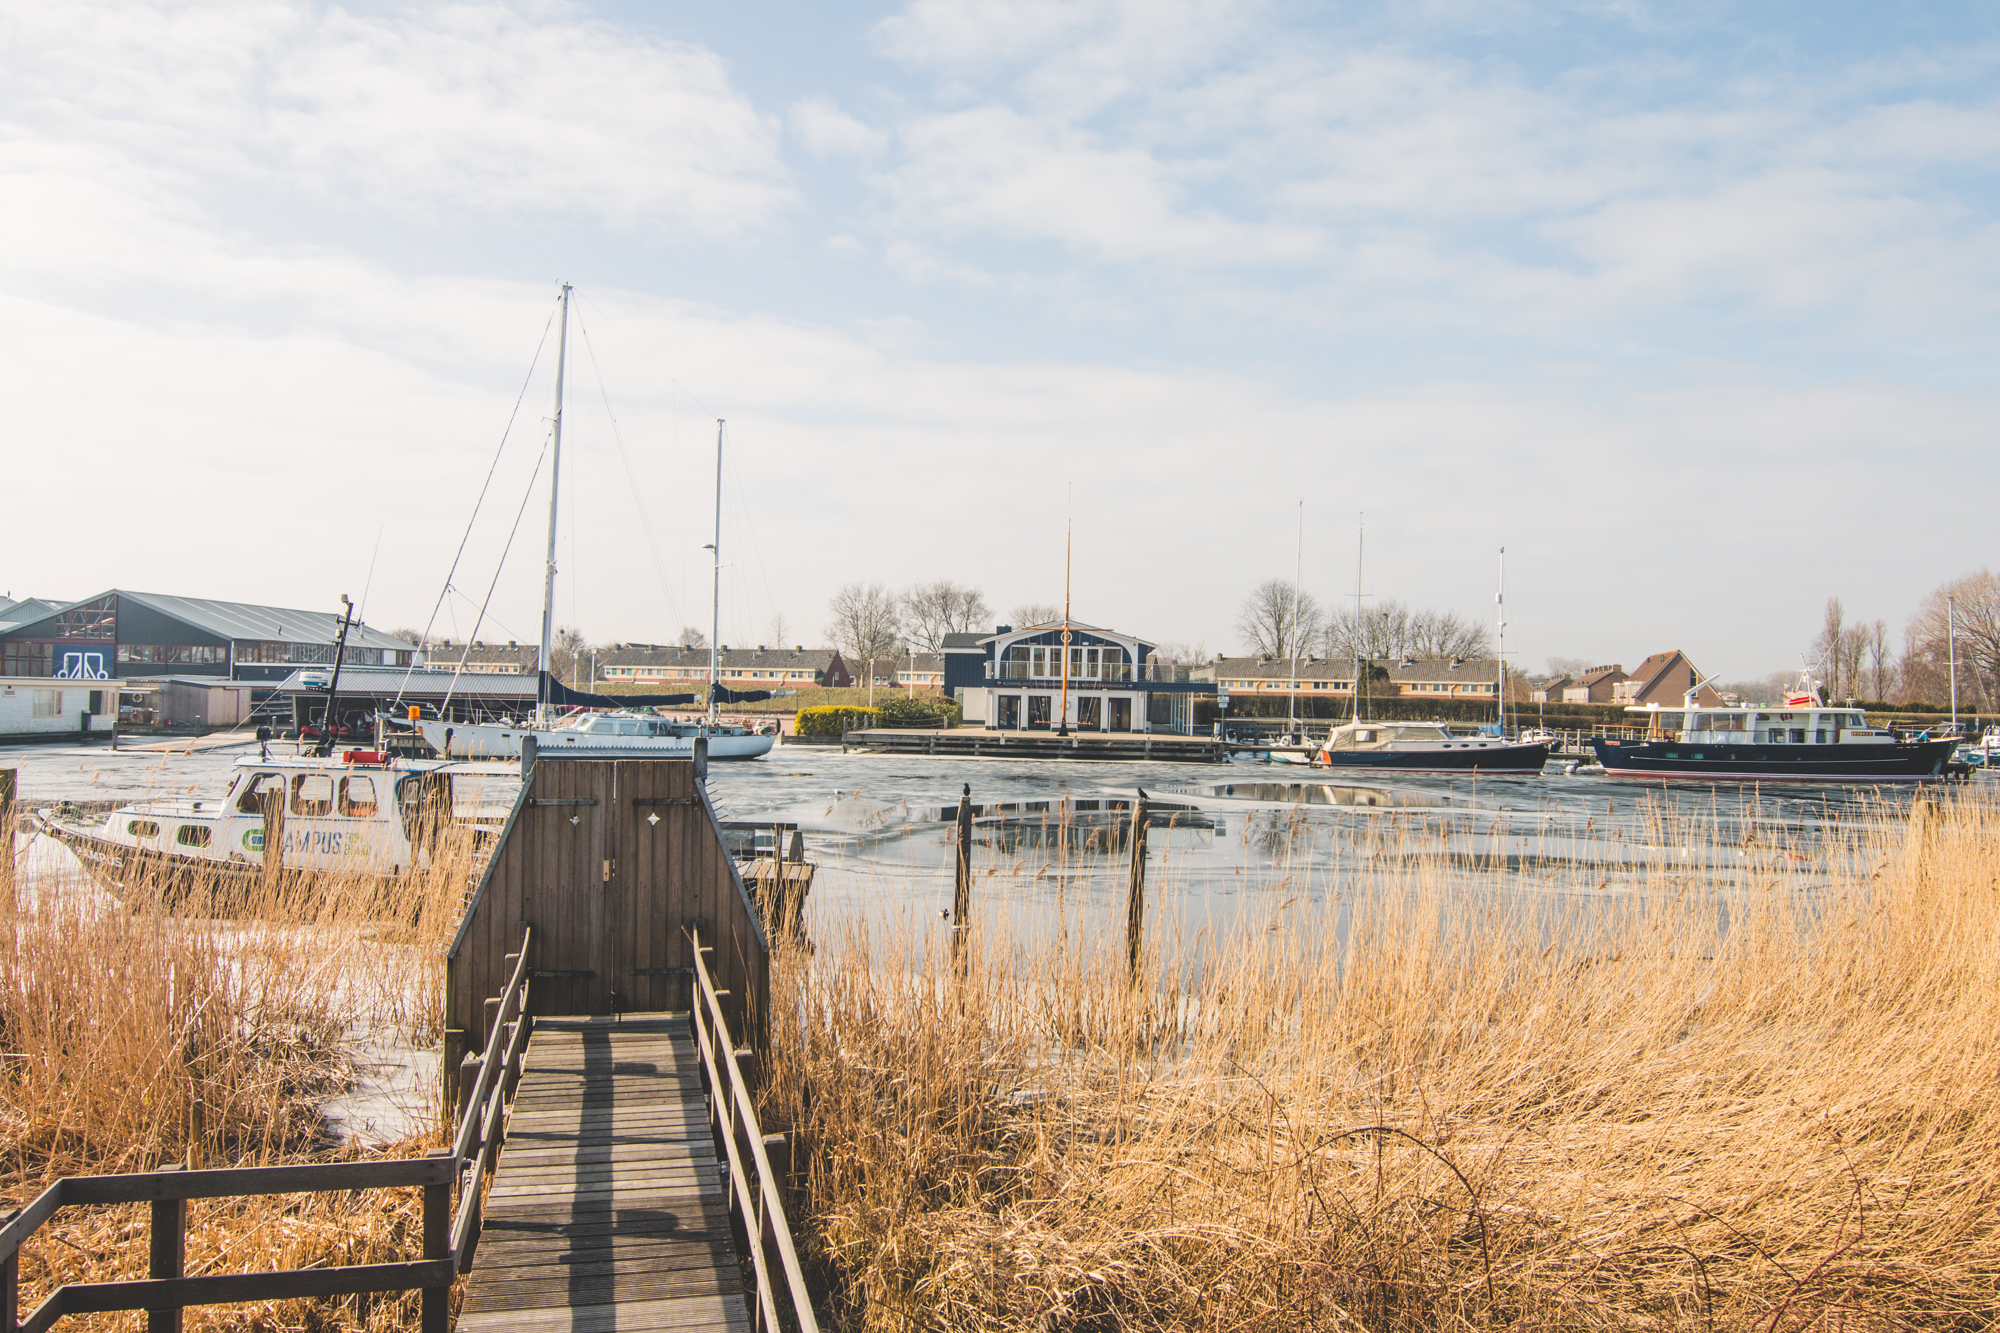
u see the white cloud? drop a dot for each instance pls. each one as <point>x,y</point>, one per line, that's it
<point>827,131</point>
<point>1359,178</point>
<point>484,107</point>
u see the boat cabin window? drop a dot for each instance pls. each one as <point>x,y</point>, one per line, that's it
<point>312,794</point>
<point>357,797</point>
<point>251,802</point>
<point>192,835</point>
<point>142,828</point>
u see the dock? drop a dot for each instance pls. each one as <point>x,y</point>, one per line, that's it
<point>978,741</point>
<point>609,1210</point>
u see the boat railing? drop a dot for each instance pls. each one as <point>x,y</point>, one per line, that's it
<point>448,1243</point>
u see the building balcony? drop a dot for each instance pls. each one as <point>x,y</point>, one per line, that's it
<point>1124,674</point>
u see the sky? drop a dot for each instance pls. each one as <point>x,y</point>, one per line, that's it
<point>1692,308</point>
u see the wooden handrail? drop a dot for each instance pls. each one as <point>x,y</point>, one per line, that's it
<point>733,1114</point>
<point>448,1247</point>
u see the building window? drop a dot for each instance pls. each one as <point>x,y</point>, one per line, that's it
<point>174,654</point>
<point>93,620</point>
<point>47,703</point>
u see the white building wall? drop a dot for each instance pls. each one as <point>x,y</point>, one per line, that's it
<point>39,705</point>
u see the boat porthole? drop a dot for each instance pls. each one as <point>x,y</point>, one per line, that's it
<point>142,828</point>
<point>192,835</point>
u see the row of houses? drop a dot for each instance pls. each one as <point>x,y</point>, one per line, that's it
<point>1664,678</point>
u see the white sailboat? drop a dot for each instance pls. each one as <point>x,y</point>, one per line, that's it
<point>605,732</point>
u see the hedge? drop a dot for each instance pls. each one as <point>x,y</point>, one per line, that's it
<point>835,719</point>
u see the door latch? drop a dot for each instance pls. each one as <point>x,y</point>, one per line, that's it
<point>610,864</point>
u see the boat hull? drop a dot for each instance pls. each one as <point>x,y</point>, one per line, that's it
<point>1902,761</point>
<point>137,875</point>
<point>1489,759</point>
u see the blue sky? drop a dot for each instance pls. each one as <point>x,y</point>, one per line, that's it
<point>1691,307</point>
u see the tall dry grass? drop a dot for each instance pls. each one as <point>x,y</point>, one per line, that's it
<point>1766,1098</point>
<point>207,1025</point>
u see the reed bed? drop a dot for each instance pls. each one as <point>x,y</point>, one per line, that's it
<point>1410,1098</point>
<point>207,1025</point>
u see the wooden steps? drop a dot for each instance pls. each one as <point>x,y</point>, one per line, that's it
<point>607,1212</point>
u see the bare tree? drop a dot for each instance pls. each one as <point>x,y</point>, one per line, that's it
<point>1390,629</point>
<point>1569,666</point>
<point>865,626</point>
<point>940,607</point>
<point>1852,651</point>
<point>1827,645</point>
<point>692,638</point>
<point>1279,619</point>
<point>1878,660</point>
<point>778,630</point>
<point>1034,613</point>
<point>567,653</point>
<point>1977,598</point>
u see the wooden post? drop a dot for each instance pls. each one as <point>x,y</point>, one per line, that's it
<point>8,780</point>
<point>961,895</point>
<point>169,1255</point>
<point>1135,890</point>
<point>10,1293</point>
<point>437,1245</point>
<point>274,835</point>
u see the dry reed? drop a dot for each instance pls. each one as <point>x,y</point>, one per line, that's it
<point>138,1033</point>
<point>1762,1098</point>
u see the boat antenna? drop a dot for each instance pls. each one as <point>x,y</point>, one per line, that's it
<point>1298,575</point>
<point>1500,602</point>
<point>1069,532</point>
<point>715,606</point>
<point>542,662</point>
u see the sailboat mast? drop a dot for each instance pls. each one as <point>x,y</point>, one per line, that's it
<point>1062,722</point>
<point>543,662</point>
<point>1360,550</point>
<point>715,608</point>
<point>1298,575</point>
<point>1500,614</point>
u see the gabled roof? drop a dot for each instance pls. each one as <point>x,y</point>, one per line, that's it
<point>1475,670</point>
<point>247,620</point>
<point>730,659</point>
<point>28,609</point>
<point>963,642</point>
<point>1599,674</point>
<point>1654,665</point>
<point>1057,625</point>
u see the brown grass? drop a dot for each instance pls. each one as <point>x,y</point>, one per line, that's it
<point>132,1038</point>
<point>1560,1106</point>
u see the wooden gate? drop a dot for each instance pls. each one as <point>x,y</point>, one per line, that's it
<point>612,862</point>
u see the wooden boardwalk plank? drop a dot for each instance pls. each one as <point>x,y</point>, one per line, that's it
<point>607,1212</point>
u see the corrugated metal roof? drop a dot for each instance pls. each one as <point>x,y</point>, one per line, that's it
<point>272,624</point>
<point>27,611</point>
<point>420,684</point>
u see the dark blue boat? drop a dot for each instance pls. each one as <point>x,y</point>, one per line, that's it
<point>1805,740</point>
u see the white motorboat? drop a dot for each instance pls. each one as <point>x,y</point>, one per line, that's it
<point>614,734</point>
<point>359,812</point>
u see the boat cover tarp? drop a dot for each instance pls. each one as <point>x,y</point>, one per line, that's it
<point>725,695</point>
<point>562,696</point>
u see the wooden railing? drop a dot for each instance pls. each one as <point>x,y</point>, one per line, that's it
<point>167,1290</point>
<point>754,1199</point>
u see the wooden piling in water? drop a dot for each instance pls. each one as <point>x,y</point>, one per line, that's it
<point>1135,890</point>
<point>961,895</point>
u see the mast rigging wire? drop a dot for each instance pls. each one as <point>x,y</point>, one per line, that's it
<point>501,564</point>
<point>638,501</point>
<point>452,573</point>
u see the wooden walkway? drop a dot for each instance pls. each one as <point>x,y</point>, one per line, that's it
<point>608,1210</point>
